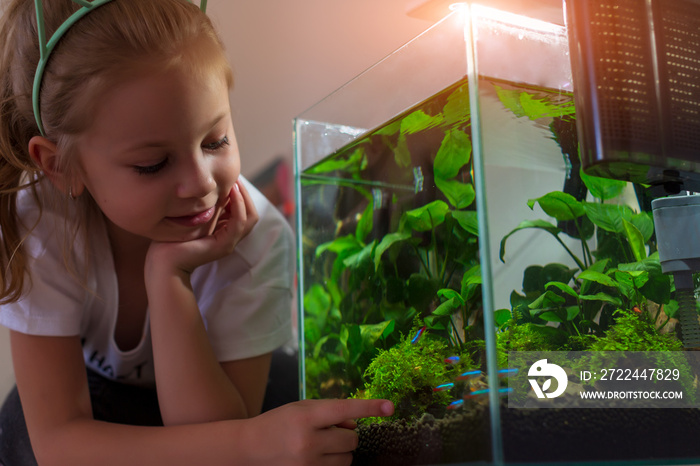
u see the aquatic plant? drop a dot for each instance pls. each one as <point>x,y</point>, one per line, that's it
<point>417,374</point>
<point>635,331</point>
<point>396,254</point>
<point>618,274</point>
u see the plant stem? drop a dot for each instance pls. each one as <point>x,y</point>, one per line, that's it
<point>577,224</point>
<point>575,328</point>
<point>573,256</point>
<point>456,333</point>
<point>664,324</point>
<point>422,261</point>
<point>658,313</point>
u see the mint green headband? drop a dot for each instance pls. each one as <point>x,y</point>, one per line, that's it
<point>45,48</point>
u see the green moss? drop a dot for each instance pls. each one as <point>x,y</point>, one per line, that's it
<point>528,337</point>
<point>632,332</point>
<point>407,373</point>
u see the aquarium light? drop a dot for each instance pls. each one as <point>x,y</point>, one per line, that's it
<point>435,10</point>
<point>524,22</point>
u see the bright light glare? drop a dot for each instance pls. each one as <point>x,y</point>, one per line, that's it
<point>514,19</point>
<point>458,6</point>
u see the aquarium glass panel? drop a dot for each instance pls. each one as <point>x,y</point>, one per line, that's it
<point>449,244</point>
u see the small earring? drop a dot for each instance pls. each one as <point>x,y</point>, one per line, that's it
<point>70,193</point>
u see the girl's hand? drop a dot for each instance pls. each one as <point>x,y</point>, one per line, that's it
<point>311,432</point>
<point>235,221</point>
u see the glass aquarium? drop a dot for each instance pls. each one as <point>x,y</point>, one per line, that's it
<point>449,242</point>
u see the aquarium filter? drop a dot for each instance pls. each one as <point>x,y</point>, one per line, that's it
<point>677,223</point>
<point>636,73</point>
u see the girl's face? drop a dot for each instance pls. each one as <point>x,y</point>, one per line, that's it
<point>161,155</point>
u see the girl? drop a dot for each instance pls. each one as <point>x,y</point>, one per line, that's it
<point>131,245</point>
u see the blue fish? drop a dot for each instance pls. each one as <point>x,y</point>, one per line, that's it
<point>452,360</point>
<point>415,339</point>
<point>443,387</point>
<point>455,404</point>
<point>485,391</point>
<point>477,393</point>
<point>468,375</point>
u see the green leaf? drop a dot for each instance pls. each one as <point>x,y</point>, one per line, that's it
<point>449,293</point>
<point>372,332</point>
<point>547,300</point>
<point>541,108</point>
<point>550,316</point>
<point>424,218</point>
<point>317,302</point>
<point>645,225</point>
<point>633,278</point>
<point>536,277</point>
<point>561,206</point>
<point>365,223</point>
<point>351,339</point>
<point>460,195</point>
<point>502,316</point>
<point>457,107</point>
<point>402,155</point>
<point>386,242</point>
<point>599,267</point>
<point>361,257</point>
<point>538,224</point>
<point>560,315</point>
<point>340,245</point>
<point>563,287</point>
<point>572,312</point>
<point>419,121</point>
<point>603,188</point>
<point>609,217</point>
<point>389,129</point>
<point>355,163</point>
<point>635,240</point>
<point>597,277</point>
<point>471,281</point>
<point>658,288</point>
<point>671,309</point>
<point>454,153</point>
<point>526,104</point>
<point>468,220</point>
<point>446,308</point>
<point>604,297</point>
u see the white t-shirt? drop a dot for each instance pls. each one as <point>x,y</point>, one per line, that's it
<point>245,299</point>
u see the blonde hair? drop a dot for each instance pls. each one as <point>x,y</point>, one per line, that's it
<point>112,44</point>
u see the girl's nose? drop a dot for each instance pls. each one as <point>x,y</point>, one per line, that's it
<point>197,179</point>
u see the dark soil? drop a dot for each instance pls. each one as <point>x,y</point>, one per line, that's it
<point>534,435</point>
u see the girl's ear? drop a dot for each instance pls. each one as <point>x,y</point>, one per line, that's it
<point>45,155</point>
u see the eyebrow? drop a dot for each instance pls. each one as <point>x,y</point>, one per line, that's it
<point>155,144</point>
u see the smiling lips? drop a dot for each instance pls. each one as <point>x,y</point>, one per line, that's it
<point>194,220</point>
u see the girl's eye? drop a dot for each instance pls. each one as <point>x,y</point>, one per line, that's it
<point>212,146</point>
<point>151,169</point>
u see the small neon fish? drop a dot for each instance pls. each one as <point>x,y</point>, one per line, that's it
<point>455,404</point>
<point>467,375</point>
<point>477,393</point>
<point>485,391</point>
<point>443,387</point>
<point>507,372</point>
<point>636,310</point>
<point>415,339</point>
<point>452,360</point>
